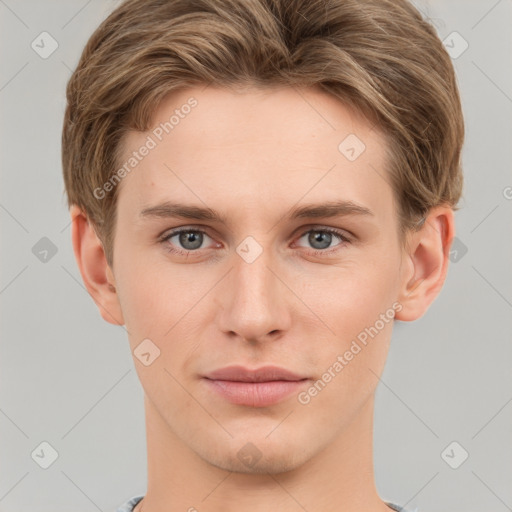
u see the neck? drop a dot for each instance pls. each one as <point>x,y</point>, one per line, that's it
<point>340,474</point>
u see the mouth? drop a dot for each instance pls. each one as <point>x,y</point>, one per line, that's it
<point>254,388</point>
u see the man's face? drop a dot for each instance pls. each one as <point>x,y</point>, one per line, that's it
<point>264,287</point>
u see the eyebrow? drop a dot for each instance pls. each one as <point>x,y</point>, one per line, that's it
<point>328,209</point>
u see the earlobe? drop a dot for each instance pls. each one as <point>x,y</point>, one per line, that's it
<point>97,276</point>
<point>428,260</point>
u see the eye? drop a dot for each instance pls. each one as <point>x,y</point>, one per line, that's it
<point>189,239</point>
<point>322,238</point>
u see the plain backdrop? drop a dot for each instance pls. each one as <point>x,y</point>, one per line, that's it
<point>68,378</point>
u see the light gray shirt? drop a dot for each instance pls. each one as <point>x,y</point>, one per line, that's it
<point>130,504</point>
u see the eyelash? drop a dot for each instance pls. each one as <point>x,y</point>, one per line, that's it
<point>316,252</point>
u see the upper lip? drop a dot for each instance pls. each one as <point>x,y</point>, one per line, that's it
<point>263,374</point>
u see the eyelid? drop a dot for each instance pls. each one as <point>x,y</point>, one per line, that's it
<point>188,227</point>
<point>347,235</point>
<point>304,229</point>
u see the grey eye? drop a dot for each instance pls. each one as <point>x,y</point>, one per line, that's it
<point>190,240</point>
<point>321,238</point>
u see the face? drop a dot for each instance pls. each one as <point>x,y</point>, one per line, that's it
<point>297,265</point>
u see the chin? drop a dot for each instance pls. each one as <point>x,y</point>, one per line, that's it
<point>256,456</point>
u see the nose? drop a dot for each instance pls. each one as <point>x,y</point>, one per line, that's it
<point>255,302</point>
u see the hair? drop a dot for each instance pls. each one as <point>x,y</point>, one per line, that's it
<point>379,57</point>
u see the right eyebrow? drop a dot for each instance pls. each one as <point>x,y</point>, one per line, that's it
<point>168,209</point>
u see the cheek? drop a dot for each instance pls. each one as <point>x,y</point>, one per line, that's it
<point>350,366</point>
<point>355,305</point>
<point>350,298</point>
<point>159,299</point>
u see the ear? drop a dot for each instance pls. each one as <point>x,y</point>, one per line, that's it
<point>97,276</point>
<point>426,263</point>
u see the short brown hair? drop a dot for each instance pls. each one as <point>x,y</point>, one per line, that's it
<point>380,57</point>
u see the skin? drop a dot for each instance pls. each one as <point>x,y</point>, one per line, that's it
<point>254,155</point>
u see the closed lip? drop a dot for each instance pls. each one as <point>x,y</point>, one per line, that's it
<point>263,374</point>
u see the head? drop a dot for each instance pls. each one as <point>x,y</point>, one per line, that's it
<point>263,118</point>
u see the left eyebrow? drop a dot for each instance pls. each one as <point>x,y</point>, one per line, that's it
<point>329,209</point>
<point>325,210</point>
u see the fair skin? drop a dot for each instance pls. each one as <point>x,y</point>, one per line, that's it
<point>254,156</point>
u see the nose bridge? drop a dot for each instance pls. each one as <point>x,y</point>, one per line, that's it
<point>254,305</point>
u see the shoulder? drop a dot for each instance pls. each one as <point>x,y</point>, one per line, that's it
<point>130,504</point>
<point>398,508</point>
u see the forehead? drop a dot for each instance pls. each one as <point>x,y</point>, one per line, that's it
<point>255,147</point>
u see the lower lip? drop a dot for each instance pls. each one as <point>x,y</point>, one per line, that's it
<point>255,394</point>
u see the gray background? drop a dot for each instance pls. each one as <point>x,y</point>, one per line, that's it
<point>67,376</point>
